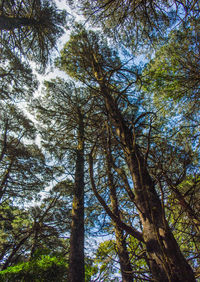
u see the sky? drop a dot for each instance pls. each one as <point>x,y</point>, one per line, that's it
<point>51,71</point>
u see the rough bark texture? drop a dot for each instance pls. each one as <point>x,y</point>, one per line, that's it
<point>167,263</point>
<point>76,259</point>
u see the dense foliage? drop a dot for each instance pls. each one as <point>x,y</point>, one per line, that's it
<point>99,168</point>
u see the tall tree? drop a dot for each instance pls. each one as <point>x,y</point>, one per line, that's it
<point>90,58</point>
<point>76,259</point>
<point>66,111</point>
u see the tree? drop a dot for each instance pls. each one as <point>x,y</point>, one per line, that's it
<point>173,76</point>
<point>125,264</point>
<point>173,72</point>
<point>31,28</point>
<point>41,268</point>
<point>107,186</point>
<point>23,168</point>
<point>17,81</point>
<point>76,260</point>
<point>71,109</point>
<point>90,56</point>
<point>29,232</point>
<point>137,23</point>
<point>121,244</point>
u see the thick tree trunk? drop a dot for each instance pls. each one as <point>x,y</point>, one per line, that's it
<point>167,263</point>
<point>9,23</point>
<point>165,258</point>
<point>76,258</point>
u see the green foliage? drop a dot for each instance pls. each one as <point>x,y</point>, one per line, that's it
<point>44,268</point>
<point>173,73</point>
<point>25,231</point>
<point>90,269</point>
<point>106,261</point>
<point>78,55</point>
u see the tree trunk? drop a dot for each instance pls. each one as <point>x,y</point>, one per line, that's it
<point>76,258</point>
<point>35,239</point>
<point>124,260</point>
<point>9,23</point>
<point>125,264</point>
<point>167,263</point>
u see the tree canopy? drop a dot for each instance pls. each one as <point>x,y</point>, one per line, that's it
<point>31,28</point>
<point>99,166</point>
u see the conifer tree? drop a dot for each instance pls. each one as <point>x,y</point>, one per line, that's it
<point>87,58</point>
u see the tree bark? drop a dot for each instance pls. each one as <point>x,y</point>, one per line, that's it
<point>167,263</point>
<point>76,257</point>
<point>124,259</point>
<point>166,260</point>
<point>128,228</point>
<point>125,264</point>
